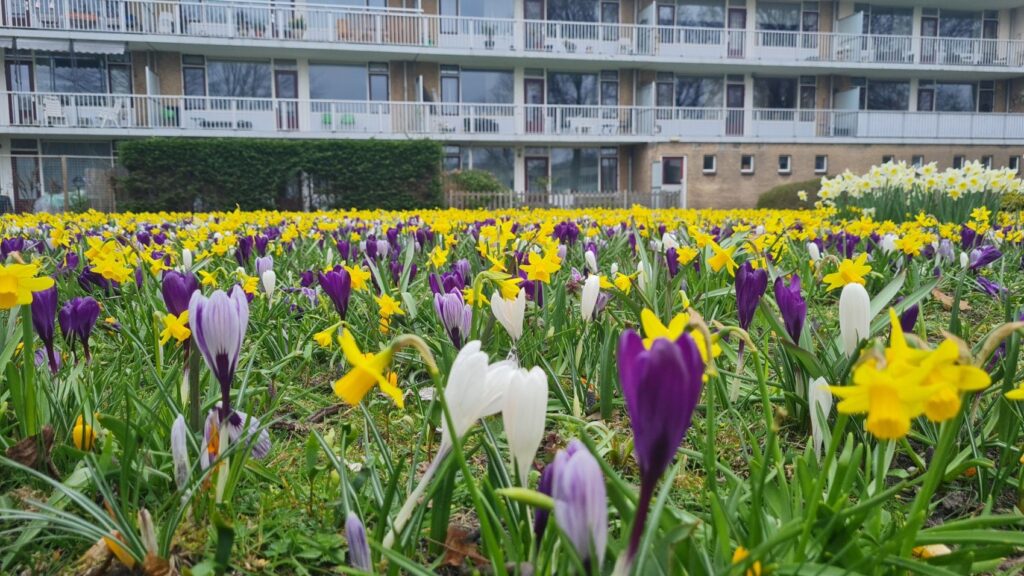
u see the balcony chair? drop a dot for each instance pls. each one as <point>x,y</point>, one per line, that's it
<point>111,115</point>
<point>53,112</point>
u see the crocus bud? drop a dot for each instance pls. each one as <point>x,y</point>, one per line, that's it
<point>813,250</point>
<point>179,452</point>
<point>510,313</point>
<point>614,270</point>
<point>264,263</point>
<point>525,406</point>
<point>854,317</point>
<point>186,258</point>
<point>269,279</point>
<point>591,261</point>
<point>965,260</point>
<point>668,241</point>
<point>358,547</point>
<point>588,301</point>
<point>750,287</point>
<point>581,506</point>
<point>888,243</point>
<point>820,406</point>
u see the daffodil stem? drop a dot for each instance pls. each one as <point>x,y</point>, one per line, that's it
<point>936,471</point>
<point>410,503</point>
<point>28,379</point>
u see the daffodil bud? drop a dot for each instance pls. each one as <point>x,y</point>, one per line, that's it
<point>854,317</point>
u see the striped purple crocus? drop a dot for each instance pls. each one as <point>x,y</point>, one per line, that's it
<point>218,325</point>
<point>661,386</point>
<point>456,316</point>
<point>581,503</point>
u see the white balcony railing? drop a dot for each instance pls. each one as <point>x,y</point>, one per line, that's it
<point>453,121</point>
<point>258,20</point>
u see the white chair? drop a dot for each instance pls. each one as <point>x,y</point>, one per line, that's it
<point>165,23</point>
<point>111,115</point>
<point>53,111</point>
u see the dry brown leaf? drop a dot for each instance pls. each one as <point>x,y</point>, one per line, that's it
<point>95,561</point>
<point>154,565</point>
<point>34,451</point>
<point>460,544</point>
<point>947,301</point>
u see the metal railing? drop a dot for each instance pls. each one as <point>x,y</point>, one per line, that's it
<point>508,199</point>
<point>253,19</point>
<point>196,115</point>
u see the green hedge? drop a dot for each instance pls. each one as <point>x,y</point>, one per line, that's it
<point>786,197</point>
<point>221,173</point>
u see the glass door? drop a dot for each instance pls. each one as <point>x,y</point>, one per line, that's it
<point>537,178</point>
<point>286,87</point>
<point>735,94</point>
<point>737,32</point>
<point>929,39</point>
<point>534,105</point>
<point>19,82</point>
<point>26,182</point>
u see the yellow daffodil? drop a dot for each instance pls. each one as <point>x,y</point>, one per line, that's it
<point>208,278</point>
<point>83,435</point>
<point>722,258</point>
<point>540,268</point>
<point>850,272</point>
<point>175,327</point>
<point>742,554</point>
<point>326,337</point>
<point>624,283</point>
<point>366,370</point>
<point>18,282</point>
<point>1016,394</point>
<point>438,257</point>
<point>388,306</point>
<point>360,278</point>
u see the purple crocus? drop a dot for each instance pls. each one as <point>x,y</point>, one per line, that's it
<point>540,515</point>
<point>981,257</point>
<point>908,319</point>
<point>750,287</point>
<point>218,325</point>
<point>244,250</point>
<point>358,546</point>
<point>672,262</point>
<point>581,502</point>
<point>44,310</point>
<point>264,263</point>
<point>77,318</point>
<point>456,316</point>
<point>177,289</point>
<point>661,386</point>
<point>792,306</point>
<point>235,424</point>
<point>989,287</point>
<point>337,284</point>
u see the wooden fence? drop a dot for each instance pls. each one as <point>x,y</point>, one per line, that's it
<point>511,199</point>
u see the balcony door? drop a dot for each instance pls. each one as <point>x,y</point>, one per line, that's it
<point>286,87</point>
<point>735,95</point>
<point>737,25</point>
<point>929,39</point>
<point>534,89</point>
<point>537,179</point>
<point>20,84</point>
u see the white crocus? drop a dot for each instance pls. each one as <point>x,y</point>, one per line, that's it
<point>820,402</point>
<point>888,243</point>
<point>854,317</point>
<point>510,313</point>
<point>179,452</point>
<point>591,291</point>
<point>669,241</point>
<point>524,410</point>
<point>186,259</point>
<point>813,250</point>
<point>269,279</point>
<point>591,260</point>
<point>468,399</point>
<point>965,260</point>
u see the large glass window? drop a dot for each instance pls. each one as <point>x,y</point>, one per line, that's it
<point>775,93</point>
<point>954,98</point>
<point>574,169</point>
<point>487,86</point>
<point>572,89</point>
<point>71,74</point>
<point>573,10</point>
<point>778,16</point>
<point>959,24</point>
<point>701,14</point>
<point>337,82</point>
<point>238,78</point>
<point>501,162</point>
<point>700,92</point>
<point>487,8</point>
<point>888,96</point>
<point>886,20</point>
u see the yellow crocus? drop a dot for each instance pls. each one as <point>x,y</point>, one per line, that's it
<point>83,435</point>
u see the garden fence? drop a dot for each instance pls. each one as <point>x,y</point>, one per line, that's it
<point>606,199</point>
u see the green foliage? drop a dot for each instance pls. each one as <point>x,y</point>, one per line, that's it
<point>476,181</point>
<point>1012,202</point>
<point>785,197</point>
<point>220,174</point>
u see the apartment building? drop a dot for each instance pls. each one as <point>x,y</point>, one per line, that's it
<point>713,100</point>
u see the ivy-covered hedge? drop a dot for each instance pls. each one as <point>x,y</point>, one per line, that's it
<point>183,174</point>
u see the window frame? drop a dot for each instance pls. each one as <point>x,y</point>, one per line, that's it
<point>668,160</point>
<point>714,164</point>
<point>824,167</point>
<point>753,164</point>
<point>788,159</point>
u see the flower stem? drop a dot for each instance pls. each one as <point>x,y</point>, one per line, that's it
<point>28,378</point>
<point>410,503</point>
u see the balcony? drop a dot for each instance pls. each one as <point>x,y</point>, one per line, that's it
<point>398,30</point>
<point>133,115</point>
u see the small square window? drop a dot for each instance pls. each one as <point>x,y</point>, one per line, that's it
<point>785,164</point>
<point>820,164</point>
<point>888,158</point>
<point>917,160</point>
<point>959,161</point>
<point>1014,164</point>
<point>747,164</point>
<point>671,171</point>
<point>710,164</point>
<point>987,161</point>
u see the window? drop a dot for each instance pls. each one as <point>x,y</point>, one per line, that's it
<point>671,171</point>
<point>487,86</point>
<point>609,88</point>
<point>987,161</point>
<point>452,159</point>
<point>82,74</point>
<point>379,83</point>
<point>959,24</point>
<point>926,97</point>
<point>747,164</point>
<point>487,9</point>
<point>889,21</point>
<point>775,93</point>
<point>986,96</point>
<point>573,10</point>
<point>710,165</point>
<point>888,95</point>
<point>785,164</point>
<point>778,16</point>
<point>917,160</point>
<point>887,158</point>
<point>958,162</point>
<point>574,169</point>
<point>820,164</point>
<point>1014,164</point>
<point>238,78</point>
<point>609,169</point>
<point>954,98</point>
<point>699,92</point>
<point>569,89</point>
<point>701,14</point>
<point>501,162</point>
<point>338,82</point>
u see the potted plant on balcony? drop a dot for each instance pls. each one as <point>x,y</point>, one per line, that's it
<point>296,27</point>
<point>489,32</point>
